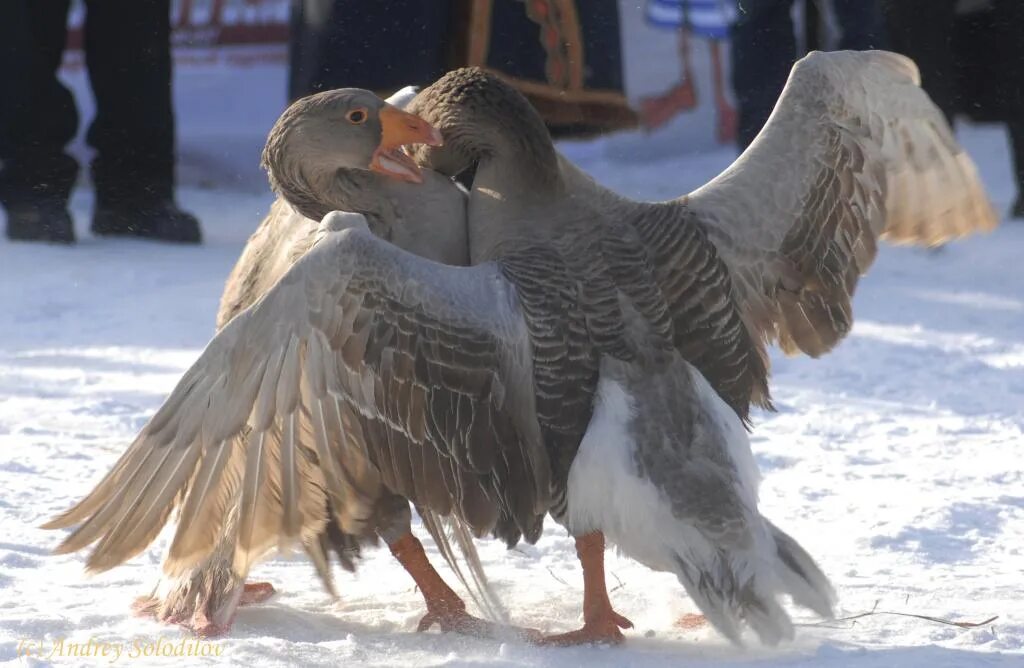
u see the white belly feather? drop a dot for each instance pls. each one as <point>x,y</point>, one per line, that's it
<point>733,562</point>
<point>607,492</point>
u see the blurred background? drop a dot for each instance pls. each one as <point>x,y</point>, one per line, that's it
<point>896,459</point>
<point>655,74</point>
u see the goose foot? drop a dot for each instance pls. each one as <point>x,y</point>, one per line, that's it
<point>601,623</point>
<point>256,592</point>
<point>601,630</point>
<point>201,621</point>
<point>463,623</point>
<point>444,607</point>
<point>690,621</point>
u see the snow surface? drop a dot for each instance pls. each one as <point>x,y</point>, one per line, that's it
<point>896,460</point>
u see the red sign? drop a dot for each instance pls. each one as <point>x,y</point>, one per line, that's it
<point>210,23</point>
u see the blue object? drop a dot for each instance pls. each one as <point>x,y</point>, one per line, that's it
<point>707,18</point>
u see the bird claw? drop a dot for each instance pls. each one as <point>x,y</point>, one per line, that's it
<point>602,630</point>
<point>463,623</point>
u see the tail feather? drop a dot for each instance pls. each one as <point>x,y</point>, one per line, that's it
<point>802,577</point>
<point>742,587</point>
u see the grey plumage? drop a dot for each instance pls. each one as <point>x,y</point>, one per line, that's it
<point>443,402</point>
<point>769,251</point>
<point>855,152</point>
<point>309,155</point>
<point>598,344</point>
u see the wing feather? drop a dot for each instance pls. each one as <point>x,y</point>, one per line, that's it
<point>364,365</point>
<point>854,152</point>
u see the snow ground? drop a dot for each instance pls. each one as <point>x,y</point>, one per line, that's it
<point>896,461</point>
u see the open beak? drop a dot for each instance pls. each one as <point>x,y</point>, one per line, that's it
<point>398,129</point>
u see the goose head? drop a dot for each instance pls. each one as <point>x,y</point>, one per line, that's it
<point>349,133</point>
<point>485,122</point>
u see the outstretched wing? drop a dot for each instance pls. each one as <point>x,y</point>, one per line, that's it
<point>363,365</point>
<point>854,152</point>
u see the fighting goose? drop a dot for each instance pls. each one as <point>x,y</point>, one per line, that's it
<point>486,378</point>
<point>478,384</point>
<point>336,150</point>
<point>771,250</point>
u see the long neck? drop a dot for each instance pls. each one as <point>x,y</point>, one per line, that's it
<point>508,201</point>
<point>315,194</point>
<point>513,188</point>
<point>428,219</point>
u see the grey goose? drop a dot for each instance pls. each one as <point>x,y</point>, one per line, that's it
<point>769,251</point>
<point>336,150</point>
<point>590,365</point>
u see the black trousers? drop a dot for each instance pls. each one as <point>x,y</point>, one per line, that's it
<point>923,30</point>
<point>127,53</point>
<point>971,64</point>
<point>378,46</point>
<point>764,49</point>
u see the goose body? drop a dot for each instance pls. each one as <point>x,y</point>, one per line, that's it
<point>596,362</point>
<point>771,250</point>
<point>427,218</point>
<point>673,485</point>
<point>654,459</point>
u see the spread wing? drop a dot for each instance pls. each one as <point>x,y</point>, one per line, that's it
<point>363,365</point>
<point>854,152</point>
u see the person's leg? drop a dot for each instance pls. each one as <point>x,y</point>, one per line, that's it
<point>37,120</point>
<point>128,53</point>
<point>860,24</point>
<point>1016,131</point>
<point>411,42</point>
<point>763,51</point>
<point>923,30</point>
<point>310,23</point>
<point>1008,17</point>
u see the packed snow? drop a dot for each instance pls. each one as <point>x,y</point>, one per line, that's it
<point>896,461</point>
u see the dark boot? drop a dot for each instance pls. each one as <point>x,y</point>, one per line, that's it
<point>148,218</point>
<point>35,195</point>
<point>40,220</point>
<point>128,55</point>
<point>37,120</point>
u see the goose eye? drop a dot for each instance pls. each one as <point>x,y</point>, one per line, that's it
<point>356,116</point>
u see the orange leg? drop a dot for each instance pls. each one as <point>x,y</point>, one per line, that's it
<point>690,621</point>
<point>444,607</point>
<point>601,624</point>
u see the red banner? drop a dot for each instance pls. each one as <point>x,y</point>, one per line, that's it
<point>202,24</point>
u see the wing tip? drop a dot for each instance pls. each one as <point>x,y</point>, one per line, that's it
<point>62,548</point>
<point>59,522</point>
<point>897,62</point>
<point>890,61</point>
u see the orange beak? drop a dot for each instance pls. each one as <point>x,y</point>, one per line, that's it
<point>398,129</point>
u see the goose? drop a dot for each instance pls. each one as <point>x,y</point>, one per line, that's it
<point>340,150</point>
<point>769,251</point>
<point>534,381</point>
